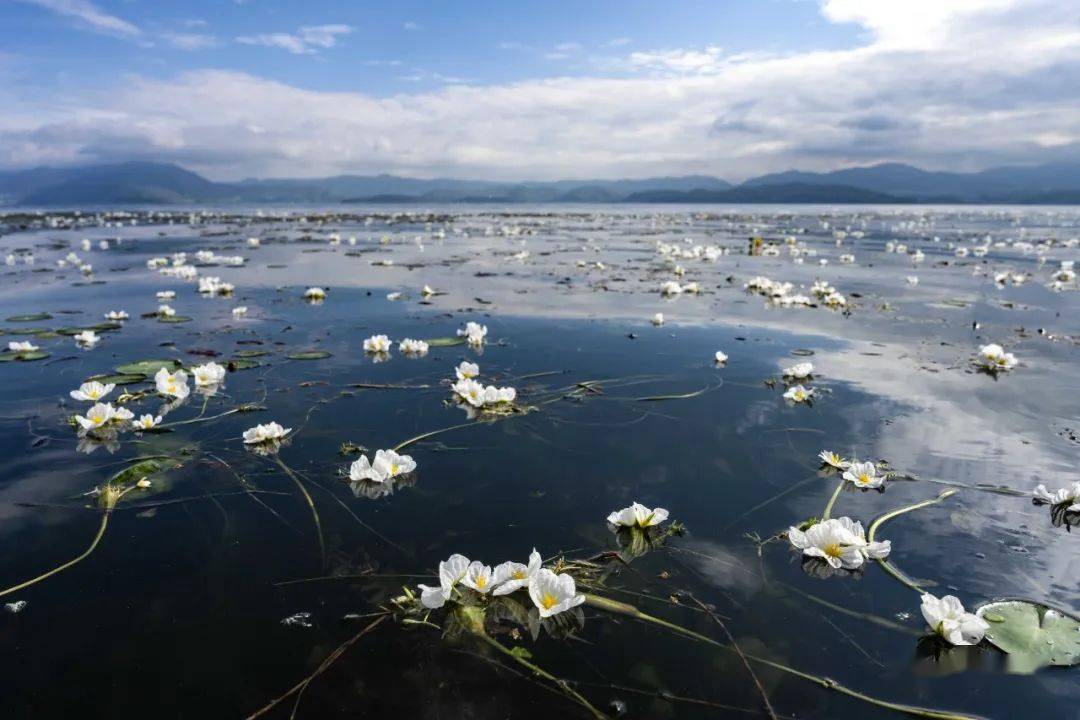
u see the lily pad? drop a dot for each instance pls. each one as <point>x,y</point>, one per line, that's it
<point>174,319</point>
<point>308,355</point>
<point>35,317</point>
<point>250,353</point>
<point>445,342</point>
<point>24,356</point>
<point>1032,634</point>
<point>119,378</point>
<point>146,367</point>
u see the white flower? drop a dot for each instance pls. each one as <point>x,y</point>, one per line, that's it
<point>838,541</point>
<point>165,295</point>
<point>265,433</point>
<point>377,344</point>
<point>830,458</point>
<point>147,421</point>
<point>239,311</point>
<point>478,577</point>
<point>122,414</point>
<point>1063,495</point>
<point>87,337</point>
<point>97,416</point>
<point>993,357</point>
<point>512,576</point>
<point>912,279</point>
<point>165,311</point>
<point>390,464</point>
<point>495,395</point>
<point>798,394</point>
<point>315,293</point>
<point>172,384</point>
<point>470,391</point>
<point>670,289</point>
<point>799,371</point>
<point>946,617</point>
<point>658,319</point>
<point>451,572</point>
<point>116,315</point>
<point>413,347</point>
<point>863,475</point>
<point>474,333</point>
<point>92,391</point>
<point>361,471</point>
<point>552,594</point>
<point>721,357</point>
<point>637,515</point>
<point>428,291</point>
<point>467,371</point>
<point>253,242</point>
<point>26,346</point>
<point>208,375</point>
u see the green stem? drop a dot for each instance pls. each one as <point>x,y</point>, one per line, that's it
<point>426,435</point>
<point>832,500</point>
<point>93,545</point>
<point>311,504</point>
<point>628,610</point>
<point>562,684</point>
<point>885,564</point>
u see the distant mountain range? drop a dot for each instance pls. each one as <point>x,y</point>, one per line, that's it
<point>133,183</point>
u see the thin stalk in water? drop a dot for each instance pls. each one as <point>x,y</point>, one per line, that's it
<point>832,501</point>
<point>311,504</point>
<point>885,564</point>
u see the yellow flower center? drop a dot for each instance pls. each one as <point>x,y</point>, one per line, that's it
<point>548,601</point>
<point>394,469</point>
<point>481,582</point>
<point>833,550</point>
<point>518,575</point>
<point>864,479</point>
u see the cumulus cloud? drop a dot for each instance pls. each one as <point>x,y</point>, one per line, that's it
<point>189,41</point>
<point>994,83</point>
<point>306,41</point>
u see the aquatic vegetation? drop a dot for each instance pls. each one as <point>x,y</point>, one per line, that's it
<point>92,391</point>
<point>377,344</point>
<point>839,542</point>
<point>474,333</point>
<point>799,394</point>
<point>833,460</point>
<point>172,384</point>
<point>637,515</point>
<point>799,371</point>
<point>863,475</point>
<point>271,432</point>
<point>946,617</point>
<point>994,359</point>
<point>720,357</point>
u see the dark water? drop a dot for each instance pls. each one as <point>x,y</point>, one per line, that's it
<point>179,610</point>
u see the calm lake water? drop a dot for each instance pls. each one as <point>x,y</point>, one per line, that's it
<point>188,605</point>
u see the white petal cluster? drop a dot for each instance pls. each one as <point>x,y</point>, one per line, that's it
<point>799,371</point>
<point>172,385</point>
<point>386,466</point>
<point>214,286</point>
<point>315,293</point>
<point>840,542</point>
<point>828,457</point>
<point>146,422</point>
<point>92,391</point>
<point>799,394</point>
<point>478,395</point>
<point>994,358</point>
<point>21,346</point>
<point>1069,494</point>
<point>408,346</point>
<point>87,338</point>
<point>946,617</point>
<point>637,515</point>
<point>863,475</point>
<point>377,344</point>
<point>270,432</point>
<point>474,333</point>
<point>209,375</point>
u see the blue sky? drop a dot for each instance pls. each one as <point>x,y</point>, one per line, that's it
<point>537,89</point>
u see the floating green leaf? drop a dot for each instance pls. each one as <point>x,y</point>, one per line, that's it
<point>308,355</point>
<point>119,378</point>
<point>174,319</point>
<point>445,342</point>
<point>24,356</point>
<point>146,367</point>
<point>1032,634</point>
<point>36,317</point>
<point>250,353</point>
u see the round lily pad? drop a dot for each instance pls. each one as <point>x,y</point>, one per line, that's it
<point>174,319</point>
<point>24,356</point>
<point>445,342</point>
<point>35,317</point>
<point>1032,634</point>
<point>146,367</point>
<point>308,355</point>
<point>250,353</point>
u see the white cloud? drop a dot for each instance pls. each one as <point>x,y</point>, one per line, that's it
<point>410,25</point>
<point>189,41</point>
<point>996,86</point>
<point>306,41</point>
<point>90,16</point>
